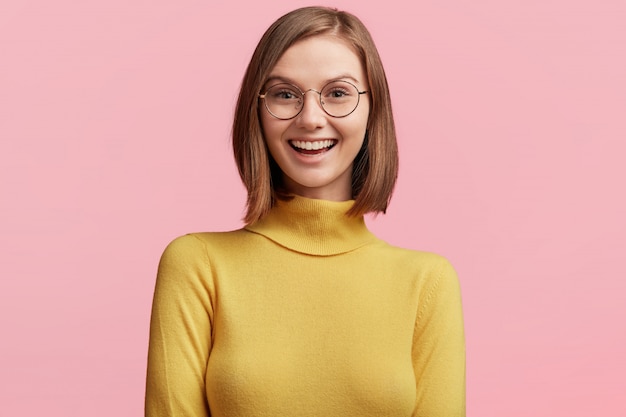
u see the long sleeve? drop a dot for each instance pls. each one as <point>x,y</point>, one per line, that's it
<point>180,332</point>
<point>439,347</point>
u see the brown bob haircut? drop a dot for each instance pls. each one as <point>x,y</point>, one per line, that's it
<point>375,168</point>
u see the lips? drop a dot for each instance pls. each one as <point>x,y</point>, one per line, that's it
<point>312,147</point>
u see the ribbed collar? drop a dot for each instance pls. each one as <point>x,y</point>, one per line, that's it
<point>315,227</point>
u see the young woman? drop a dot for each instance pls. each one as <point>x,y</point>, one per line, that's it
<point>304,312</point>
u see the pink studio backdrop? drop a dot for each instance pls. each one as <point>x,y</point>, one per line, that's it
<point>114,139</point>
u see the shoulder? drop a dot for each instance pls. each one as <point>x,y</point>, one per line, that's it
<point>429,271</point>
<point>191,246</point>
<point>191,241</point>
<point>438,282</point>
<point>416,260</point>
<point>197,247</point>
<point>189,260</point>
<point>182,248</point>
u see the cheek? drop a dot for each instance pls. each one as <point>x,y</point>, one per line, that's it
<point>362,114</point>
<point>270,127</point>
<point>357,127</point>
<point>264,123</point>
<point>272,130</point>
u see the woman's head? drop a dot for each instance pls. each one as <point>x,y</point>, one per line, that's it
<point>374,169</point>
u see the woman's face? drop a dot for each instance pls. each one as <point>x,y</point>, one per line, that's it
<point>324,171</point>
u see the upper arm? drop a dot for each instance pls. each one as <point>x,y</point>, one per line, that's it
<point>439,346</point>
<point>180,332</point>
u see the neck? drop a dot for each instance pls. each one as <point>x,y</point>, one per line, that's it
<point>315,227</point>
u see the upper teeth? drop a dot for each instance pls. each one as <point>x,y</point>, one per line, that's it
<point>312,146</point>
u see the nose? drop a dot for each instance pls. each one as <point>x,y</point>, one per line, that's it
<point>312,116</point>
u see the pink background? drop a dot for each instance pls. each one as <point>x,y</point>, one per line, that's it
<point>114,128</point>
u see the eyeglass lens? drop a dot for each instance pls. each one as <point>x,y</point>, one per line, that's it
<point>338,99</point>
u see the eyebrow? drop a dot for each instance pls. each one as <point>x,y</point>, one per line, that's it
<point>291,81</point>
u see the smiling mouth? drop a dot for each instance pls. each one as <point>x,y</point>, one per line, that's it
<point>312,147</point>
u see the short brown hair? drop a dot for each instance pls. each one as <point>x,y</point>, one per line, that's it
<point>375,168</point>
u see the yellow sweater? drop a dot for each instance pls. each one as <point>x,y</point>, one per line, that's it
<point>305,313</point>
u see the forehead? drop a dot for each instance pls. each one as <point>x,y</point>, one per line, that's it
<point>319,59</point>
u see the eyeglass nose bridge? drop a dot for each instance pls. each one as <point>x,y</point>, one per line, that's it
<point>320,101</point>
<point>312,89</point>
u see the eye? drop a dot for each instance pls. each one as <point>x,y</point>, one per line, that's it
<point>283,92</point>
<point>338,92</point>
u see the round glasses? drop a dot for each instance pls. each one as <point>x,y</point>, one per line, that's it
<point>285,101</point>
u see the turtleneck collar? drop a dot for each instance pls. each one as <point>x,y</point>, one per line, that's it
<point>314,227</point>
